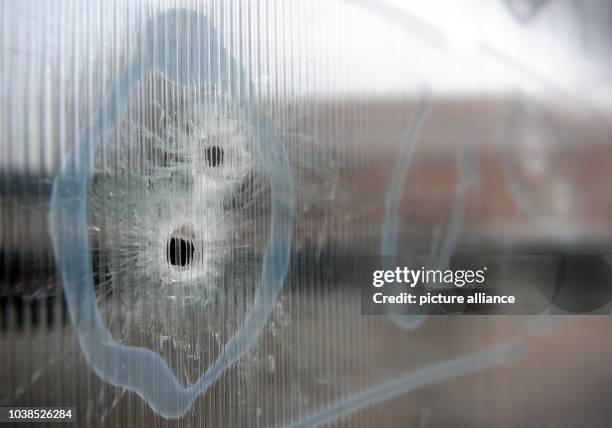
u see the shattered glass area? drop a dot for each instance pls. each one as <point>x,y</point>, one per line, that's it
<point>172,203</point>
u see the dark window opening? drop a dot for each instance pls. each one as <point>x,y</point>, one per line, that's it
<point>213,156</point>
<point>180,252</point>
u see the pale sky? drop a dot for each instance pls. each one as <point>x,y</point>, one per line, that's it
<point>307,48</point>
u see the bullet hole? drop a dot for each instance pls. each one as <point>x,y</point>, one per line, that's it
<point>213,156</point>
<point>180,252</point>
